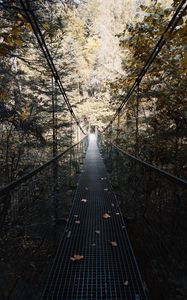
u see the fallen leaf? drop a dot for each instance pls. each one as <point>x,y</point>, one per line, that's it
<point>76,257</point>
<point>69,234</point>
<point>106,216</point>
<point>106,189</point>
<point>84,200</point>
<point>86,188</point>
<point>126,283</point>
<point>117,213</point>
<point>76,216</point>
<point>98,231</point>
<point>113,243</point>
<point>77,222</point>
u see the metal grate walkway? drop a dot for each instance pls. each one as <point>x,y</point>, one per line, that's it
<point>107,271</point>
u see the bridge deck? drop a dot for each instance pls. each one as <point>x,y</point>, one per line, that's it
<point>108,270</point>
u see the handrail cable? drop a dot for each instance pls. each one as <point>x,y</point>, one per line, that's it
<point>47,55</point>
<point>37,31</point>
<point>171,177</point>
<point>9,187</point>
<point>170,28</point>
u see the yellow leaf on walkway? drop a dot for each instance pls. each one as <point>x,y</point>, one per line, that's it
<point>76,257</point>
<point>113,243</point>
<point>106,216</point>
<point>84,200</point>
<point>98,231</point>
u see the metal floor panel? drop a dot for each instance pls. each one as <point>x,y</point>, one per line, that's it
<point>106,272</point>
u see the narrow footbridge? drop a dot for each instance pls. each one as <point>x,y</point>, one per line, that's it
<point>95,259</point>
<point>120,232</point>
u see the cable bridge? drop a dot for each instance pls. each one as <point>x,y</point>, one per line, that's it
<point>94,258</point>
<point>85,240</point>
<point>97,233</point>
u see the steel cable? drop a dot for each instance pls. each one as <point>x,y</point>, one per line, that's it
<point>37,31</point>
<point>169,29</point>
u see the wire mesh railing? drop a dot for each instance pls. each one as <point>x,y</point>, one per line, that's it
<point>33,213</point>
<point>22,193</point>
<point>154,207</point>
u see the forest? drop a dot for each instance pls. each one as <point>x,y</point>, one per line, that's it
<point>98,49</point>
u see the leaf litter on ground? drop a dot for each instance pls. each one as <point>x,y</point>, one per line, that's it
<point>76,257</point>
<point>84,200</point>
<point>113,243</point>
<point>98,231</point>
<point>106,216</point>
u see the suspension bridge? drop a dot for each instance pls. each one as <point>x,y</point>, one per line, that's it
<point>95,259</point>
<point>96,232</point>
<point>94,255</point>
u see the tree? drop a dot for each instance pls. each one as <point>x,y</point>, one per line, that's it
<point>162,92</point>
